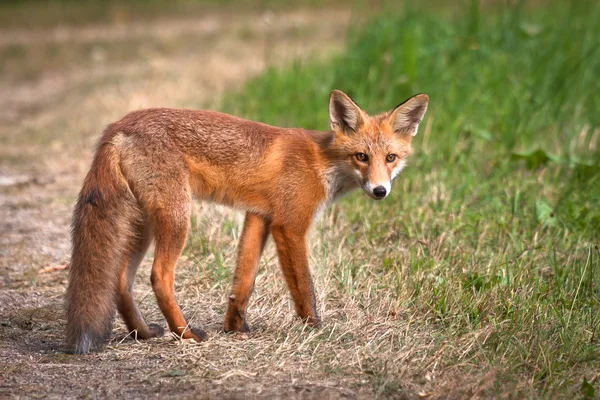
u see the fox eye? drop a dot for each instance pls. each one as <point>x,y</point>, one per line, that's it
<point>390,158</point>
<point>362,157</point>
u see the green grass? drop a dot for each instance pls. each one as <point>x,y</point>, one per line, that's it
<point>490,237</point>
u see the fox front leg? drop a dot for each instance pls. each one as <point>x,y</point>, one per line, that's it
<point>252,242</point>
<point>293,258</point>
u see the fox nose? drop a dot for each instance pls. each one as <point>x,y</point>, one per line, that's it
<point>379,192</point>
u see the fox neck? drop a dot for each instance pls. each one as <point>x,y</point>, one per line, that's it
<point>337,182</point>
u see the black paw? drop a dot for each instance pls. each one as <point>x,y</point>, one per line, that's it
<point>198,334</point>
<point>236,326</point>
<point>156,329</point>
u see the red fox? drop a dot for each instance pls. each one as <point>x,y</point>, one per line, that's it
<point>148,166</point>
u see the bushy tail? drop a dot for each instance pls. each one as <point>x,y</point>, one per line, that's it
<point>102,230</point>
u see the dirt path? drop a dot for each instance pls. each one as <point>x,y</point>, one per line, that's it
<point>58,89</point>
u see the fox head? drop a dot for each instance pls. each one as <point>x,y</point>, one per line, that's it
<point>373,150</point>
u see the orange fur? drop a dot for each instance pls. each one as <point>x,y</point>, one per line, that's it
<point>150,164</point>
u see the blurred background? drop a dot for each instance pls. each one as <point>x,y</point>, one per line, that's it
<point>484,260</point>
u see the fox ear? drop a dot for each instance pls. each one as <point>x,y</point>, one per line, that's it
<point>406,117</point>
<point>344,114</point>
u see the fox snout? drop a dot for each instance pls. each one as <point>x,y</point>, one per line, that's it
<point>380,192</point>
<point>377,191</point>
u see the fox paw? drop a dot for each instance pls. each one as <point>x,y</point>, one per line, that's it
<point>156,329</point>
<point>313,322</point>
<point>195,333</point>
<point>236,325</point>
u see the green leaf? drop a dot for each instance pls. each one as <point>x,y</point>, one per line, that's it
<point>473,280</point>
<point>544,213</point>
<point>536,158</point>
<point>587,390</point>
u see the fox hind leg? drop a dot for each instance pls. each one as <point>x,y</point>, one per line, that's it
<point>171,228</point>
<point>126,304</point>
